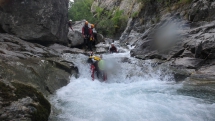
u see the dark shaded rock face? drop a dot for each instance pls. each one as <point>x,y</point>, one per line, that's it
<point>40,66</point>
<point>202,10</point>
<point>174,35</point>
<point>185,31</point>
<point>26,69</point>
<point>40,21</point>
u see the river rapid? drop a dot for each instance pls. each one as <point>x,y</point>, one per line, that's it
<point>134,91</point>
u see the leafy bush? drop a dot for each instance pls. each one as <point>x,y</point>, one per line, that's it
<point>80,9</point>
<point>185,1</point>
<point>135,14</point>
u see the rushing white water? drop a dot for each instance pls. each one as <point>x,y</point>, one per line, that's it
<point>134,91</point>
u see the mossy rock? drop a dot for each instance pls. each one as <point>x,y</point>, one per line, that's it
<point>6,92</point>
<point>43,108</point>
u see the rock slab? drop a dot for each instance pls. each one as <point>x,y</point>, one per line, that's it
<point>41,21</point>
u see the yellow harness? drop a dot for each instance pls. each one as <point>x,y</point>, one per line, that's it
<point>95,58</point>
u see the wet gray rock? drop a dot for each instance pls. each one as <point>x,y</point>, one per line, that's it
<point>187,62</point>
<point>13,47</point>
<point>35,64</point>
<point>187,53</point>
<point>100,38</point>
<point>75,37</point>
<point>181,74</point>
<point>102,47</point>
<point>38,21</point>
<point>46,75</point>
<point>202,10</point>
<point>125,60</point>
<point>101,50</point>
<point>62,49</point>
<point>67,66</point>
<point>23,103</point>
<point>206,74</point>
<point>4,116</point>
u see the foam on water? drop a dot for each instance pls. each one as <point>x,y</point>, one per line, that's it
<point>132,93</point>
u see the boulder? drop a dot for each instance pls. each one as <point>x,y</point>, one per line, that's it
<point>201,10</point>
<point>34,64</point>
<point>75,37</point>
<point>62,49</point>
<point>201,41</point>
<point>100,38</point>
<point>46,75</point>
<point>13,47</point>
<point>37,21</point>
<point>181,74</point>
<point>187,62</point>
<point>204,74</point>
<point>102,47</point>
<point>101,50</point>
<point>187,53</point>
<point>23,102</point>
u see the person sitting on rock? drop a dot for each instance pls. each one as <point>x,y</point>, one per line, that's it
<point>86,34</point>
<point>113,49</point>
<point>70,25</point>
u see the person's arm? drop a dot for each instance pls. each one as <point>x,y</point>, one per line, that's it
<point>91,34</point>
<point>72,28</point>
<point>110,50</point>
<point>83,32</point>
<point>116,49</point>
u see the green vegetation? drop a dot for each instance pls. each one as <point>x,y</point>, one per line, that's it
<point>185,1</point>
<point>167,2</point>
<point>107,22</point>
<point>6,92</point>
<point>80,9</point>
<point>135,14</point>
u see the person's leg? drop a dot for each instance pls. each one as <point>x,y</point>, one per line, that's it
<point>98,73</point>
<point>85,42</point>
<point>96,69</point>
<point>92,71</point>
<point>95,39</point>
<point>105,76</point>
<point>90,45</point>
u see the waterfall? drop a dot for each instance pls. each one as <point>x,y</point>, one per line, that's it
<point>134,91</point>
